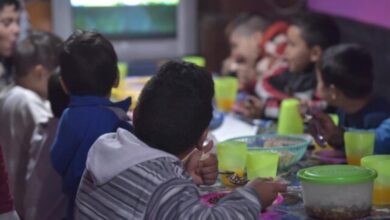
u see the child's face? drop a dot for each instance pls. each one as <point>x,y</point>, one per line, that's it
<point>325,92</point>
<point>298,54</point>
<point>9,30</point>
<point>245,49</point>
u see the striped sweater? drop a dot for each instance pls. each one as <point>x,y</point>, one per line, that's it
<point>144,183</point>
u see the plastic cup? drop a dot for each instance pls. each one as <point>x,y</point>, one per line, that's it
<point>335,118</point>
<point>122,68</point>
<point>225,92</point>
<point>290,120</point>
<point>197,60</point>
<point>262,164</point>
<point>231,161</point>
<point>358,144</point>
<point>231,156</point>
<point>381,192</point>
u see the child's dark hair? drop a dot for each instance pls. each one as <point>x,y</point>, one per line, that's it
<point>15,3</point>
<point>88,64</point>
<point>317,30</point>
<point>38,48</point>
<point>175,107</point>
<point>246,24</point>
<point>58,99</point>
<point>349,68</point>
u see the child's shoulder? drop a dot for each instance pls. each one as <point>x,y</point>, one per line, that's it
<point>22,99</point>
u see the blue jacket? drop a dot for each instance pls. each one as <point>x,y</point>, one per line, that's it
<point>382,138</point>
<point>374,116</point>
<point>85,119</point>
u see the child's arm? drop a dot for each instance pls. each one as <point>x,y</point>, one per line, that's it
<point>179,199</point>
<point>382,138</point>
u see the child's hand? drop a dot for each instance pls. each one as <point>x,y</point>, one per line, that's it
<point>203,166</point>
<point>251,107</point>
<point>267,190</point>
<point>322,124</point>
<point>246,74</point>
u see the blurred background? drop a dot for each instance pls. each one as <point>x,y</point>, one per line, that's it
<point>147,32</point>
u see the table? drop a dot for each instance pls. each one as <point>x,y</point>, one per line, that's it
<point>292,207</point>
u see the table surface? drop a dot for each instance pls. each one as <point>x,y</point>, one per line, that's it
<point>292,207</point>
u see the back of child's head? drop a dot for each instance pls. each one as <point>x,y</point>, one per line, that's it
<point>38,48</point>
<point>16,3</point>
<point>175,108</point>
<point>88,64</point>
<point>349,68</point>
<point>246,24</point>
<point>57,97</point>
<point>317,30</point>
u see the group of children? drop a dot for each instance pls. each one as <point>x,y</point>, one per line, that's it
<point>316,69</point>
<point>72,153</point>
<point>93,162</point>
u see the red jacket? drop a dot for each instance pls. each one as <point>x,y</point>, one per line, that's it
<point>6,203</point>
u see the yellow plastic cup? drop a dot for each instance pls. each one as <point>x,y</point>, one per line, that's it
<point>358,144</point>
<point>381,192</point>
<point>262,164</point>
<point>290,120</point>
<point>225,92</point>
<point>197,60</point>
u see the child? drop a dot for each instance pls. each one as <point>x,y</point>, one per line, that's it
<point>308,35</point>
<point>345,80</point>
<point>7,211</point>
<point>9,33</point>
<point>89,71</point>
<point>24,110</point>
<point>142,176</point>
<point>245,34</point>
<point>44,197</point>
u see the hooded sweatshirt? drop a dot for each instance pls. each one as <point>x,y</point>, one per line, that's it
<point>127,179</point>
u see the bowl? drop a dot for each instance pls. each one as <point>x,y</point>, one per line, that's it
<point>291,148</point>
<point>337,191</point>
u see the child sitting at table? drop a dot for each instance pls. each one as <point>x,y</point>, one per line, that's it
<point>345,80</point>
<point>141,176</point>
<point>244,33</point>
<point>307,37</point>
<point>24,110</point>
<point>88,68</point>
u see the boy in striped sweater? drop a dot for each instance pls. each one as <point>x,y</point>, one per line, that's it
<point>141,175</point>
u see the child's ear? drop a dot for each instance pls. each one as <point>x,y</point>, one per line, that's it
<point>315,53</point>
<point>64,86</point>
<point>39,71</point>
<point>116,82</point>
<point>334,92</point>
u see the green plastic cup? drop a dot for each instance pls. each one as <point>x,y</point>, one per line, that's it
<point>225,92</point>
<point>335,118</point>
<point>262,164</point>
<point>232,156</point>
<point>358,144</point>
<point>122,68</point>
<point>290,120</point>
<point>380,163</point>
<point>197,60</point>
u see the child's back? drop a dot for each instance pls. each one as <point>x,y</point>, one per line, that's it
<point>142,176</point>
<point>89,70</point>
<point>24,109</point>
